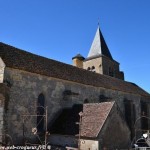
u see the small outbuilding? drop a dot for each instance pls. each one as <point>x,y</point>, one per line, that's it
<point>100,126</point>
<point>103,127</point>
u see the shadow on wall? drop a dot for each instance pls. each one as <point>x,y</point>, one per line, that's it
<point>65,123</point>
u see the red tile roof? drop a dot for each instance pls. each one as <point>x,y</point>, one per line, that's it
<point>94,116</point>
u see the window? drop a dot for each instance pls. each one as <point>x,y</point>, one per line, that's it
<point>93,67</point>
<point>40,112</point>
<point>88,68</point>
<point>111,72</point>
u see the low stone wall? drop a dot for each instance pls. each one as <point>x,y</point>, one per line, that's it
<point>63,141</point>
<point>89,144</point>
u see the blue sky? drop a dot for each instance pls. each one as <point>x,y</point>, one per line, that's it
<point>59,29</point>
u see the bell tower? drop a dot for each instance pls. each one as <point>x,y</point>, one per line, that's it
<point>100,60</point>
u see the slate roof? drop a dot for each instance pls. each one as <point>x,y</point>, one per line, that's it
<point>93,122</point>
<point>99,46</point>
<point>79,56</point>
<point>22,60</point>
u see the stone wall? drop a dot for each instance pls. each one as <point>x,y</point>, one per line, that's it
<point>89,144</point>
<point>103,65</point>
<point>4,98</point>
<point>2,66</point>
<point>78,63</point>
<point>115,133</point>
<point>96,62</point>
<point>59,94</point>
<point>61,140</point>
<point>107,63</point>
<point>71,141</point>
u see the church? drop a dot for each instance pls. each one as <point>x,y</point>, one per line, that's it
<point>88,105</point>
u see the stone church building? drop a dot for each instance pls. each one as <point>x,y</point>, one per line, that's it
<point>32,86</point>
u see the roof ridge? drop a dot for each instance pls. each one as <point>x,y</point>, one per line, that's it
<point>27,52</point>
<point>17,59</point>
<point>107,116</point>
<point>100,112</point>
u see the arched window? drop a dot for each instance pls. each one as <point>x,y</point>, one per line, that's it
<point>93,67</point>
<point>40,112</point>
<point>88,68</point>
<point>111,72</point>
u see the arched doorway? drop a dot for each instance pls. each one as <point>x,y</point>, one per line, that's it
<point>40,112</point>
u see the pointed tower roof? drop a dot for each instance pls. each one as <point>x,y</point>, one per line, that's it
<point>99,46</point>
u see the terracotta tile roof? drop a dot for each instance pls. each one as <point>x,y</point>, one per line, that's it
<point>22,60</point>
<point>94,116</point>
